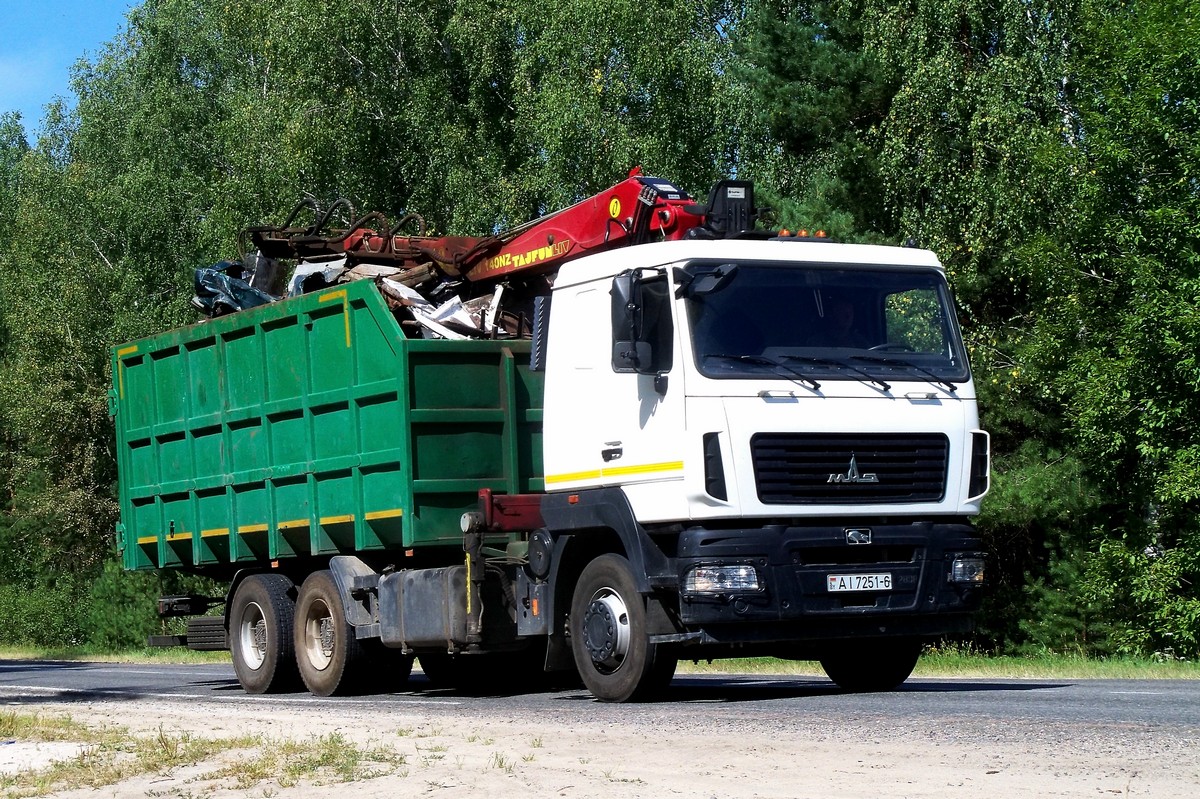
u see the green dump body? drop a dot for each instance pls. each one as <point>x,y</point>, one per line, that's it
<point>314,427</point>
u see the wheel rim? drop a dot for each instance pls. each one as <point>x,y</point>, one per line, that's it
<point>252,633</point>
<point>606,631</point>
<point>319,635</point>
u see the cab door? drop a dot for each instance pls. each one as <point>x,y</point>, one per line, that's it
<point>612,415</point>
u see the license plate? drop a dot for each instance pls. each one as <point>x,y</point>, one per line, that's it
<point>858,582</point>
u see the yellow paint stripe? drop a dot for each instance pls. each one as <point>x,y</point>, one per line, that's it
<point>252,528</point>
<point>147,539</point>
<point>648,468</point>
<point>616,471</point>
<point>571,477</point>
<point>384,514</point>
<point>214,533</point>
<point>340,295</point>
<point>179,537</point>
<point>121,353</point>
<point>336,519</point>
<point>292,525</point>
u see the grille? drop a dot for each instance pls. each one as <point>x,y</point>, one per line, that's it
<point>810,468</point>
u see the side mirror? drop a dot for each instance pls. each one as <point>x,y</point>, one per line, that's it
<point>642,336</point>
<point>628,352</point>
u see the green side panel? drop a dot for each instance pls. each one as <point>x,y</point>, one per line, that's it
<point>313,427</point>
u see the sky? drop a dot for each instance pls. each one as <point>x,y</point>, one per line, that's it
<point>39,42</point>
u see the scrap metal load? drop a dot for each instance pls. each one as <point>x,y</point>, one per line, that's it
<point>463,286</point>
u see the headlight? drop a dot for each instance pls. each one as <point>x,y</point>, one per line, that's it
<point>722,579</point>
<point>967,568</point>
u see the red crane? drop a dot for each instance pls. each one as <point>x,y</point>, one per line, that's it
<point>518,263</point>
<point>636,210</point>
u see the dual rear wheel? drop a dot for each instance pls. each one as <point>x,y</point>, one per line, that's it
<point>282,636</point>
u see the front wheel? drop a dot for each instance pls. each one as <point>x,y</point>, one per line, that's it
<point>330,657</point>
<point>612,649</point>
<point>386,670</point>
<point>869,666</point>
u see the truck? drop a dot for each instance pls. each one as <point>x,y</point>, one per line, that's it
<point>699,440</point>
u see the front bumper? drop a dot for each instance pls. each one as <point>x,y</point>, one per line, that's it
<point>793,601</point>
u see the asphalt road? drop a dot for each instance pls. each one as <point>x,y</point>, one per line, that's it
<point>1163,708</point>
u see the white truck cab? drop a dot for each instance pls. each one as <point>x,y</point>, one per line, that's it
<point>744,402</point>
<point>784,437</point>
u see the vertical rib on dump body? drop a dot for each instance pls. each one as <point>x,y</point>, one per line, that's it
<point>314,427</point>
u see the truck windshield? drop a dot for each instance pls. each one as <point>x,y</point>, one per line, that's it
<point>826,322</point>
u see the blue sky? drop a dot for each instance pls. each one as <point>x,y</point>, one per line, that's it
<point>39,42</point>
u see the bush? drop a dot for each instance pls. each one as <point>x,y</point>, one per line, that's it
<point>122,608</point>
<point>48,616</point>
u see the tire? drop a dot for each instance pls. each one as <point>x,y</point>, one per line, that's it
<point>443,670</point>
<point>612,650</point>
<point>871,666</point>
<point>330,657</point>
<point>260,634</point>
<point>207,634</point>
<point>666,660</point>
<point>385,669</point>
<point>508,673</point>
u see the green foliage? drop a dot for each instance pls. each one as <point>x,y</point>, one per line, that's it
<point>1121,319</point>
<point>50,616</point>
<point>203,117</point>
<point>819,98</point>
<point>1049,151</point>
<point>121,608</point>
<point>1039,499</point>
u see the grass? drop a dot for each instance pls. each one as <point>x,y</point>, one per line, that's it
<point>91,654</point>
<point>106,756</point>
<point>954,662</point>
<point>320,759</point>
<point>948,661</point>
<point>110,755</point>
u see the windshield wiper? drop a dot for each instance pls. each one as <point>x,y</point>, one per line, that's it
<point>763,361</point>
<point>933,378</point>
<point>863,376</point>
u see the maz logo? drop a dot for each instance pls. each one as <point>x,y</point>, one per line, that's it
<point>852,475</point>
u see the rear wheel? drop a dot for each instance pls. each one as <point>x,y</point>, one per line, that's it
<point>329,655</point>
<point>868,666</point>
<point>612,649</point>
<point>260,632</point>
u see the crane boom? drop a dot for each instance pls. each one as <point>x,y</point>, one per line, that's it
<point>634,211</point>
<point>432,270</point>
